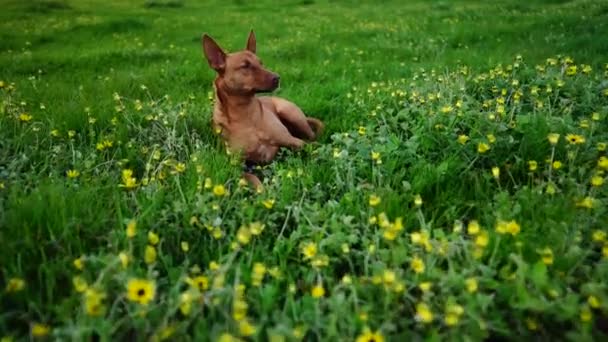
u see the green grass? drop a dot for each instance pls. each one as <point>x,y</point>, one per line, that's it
<point>409,92</point>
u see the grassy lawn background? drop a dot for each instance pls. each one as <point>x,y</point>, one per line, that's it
<point>91,89</point>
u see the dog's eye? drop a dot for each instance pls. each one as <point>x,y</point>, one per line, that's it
<point>246,65</point>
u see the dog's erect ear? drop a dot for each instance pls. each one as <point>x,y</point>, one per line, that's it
<point>215,56</point>
<point>251,43</point>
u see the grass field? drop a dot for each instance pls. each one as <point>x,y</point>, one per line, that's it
<point>458,192</point>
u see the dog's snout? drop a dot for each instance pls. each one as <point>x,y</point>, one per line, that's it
<point>275,80</point>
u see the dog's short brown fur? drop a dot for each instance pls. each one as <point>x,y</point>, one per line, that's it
<point>254,126</point>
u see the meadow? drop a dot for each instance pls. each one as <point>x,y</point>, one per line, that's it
<point>458,192</point>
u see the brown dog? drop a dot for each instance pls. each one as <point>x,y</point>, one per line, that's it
<point>254,126</point>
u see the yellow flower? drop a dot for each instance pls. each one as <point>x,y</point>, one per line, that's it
<point>605,250</point>
<point>482,239</point>
<point>208,183</point>
<point>417,200</point>
<point>185,306</point>
<point>462,139</point>
<point>180,167</point>
<point>361,130</point>
<point>452,314</point>
<point>14,285</point>
<point>201,283</point>
<point>79,263</point>
<point>153,238</point>
<point>601,146</point>
<point>185,246</point>
<point>423,313</point>
<point>369,336</point>
<point>531,324</point>
<point>347,280</point>
<point>72,174</point>
<point>553,138</point>
<point>246,328</point>
<point>471,285</point>
<point>586,69</point>
<point>594,302</point>
<point>317,291</point>
<point>425,286</point>
<point>243,235</point>
<point>93,302</point>
<point>510,227</point>
<point>586,315</point>
<point>532,165</point>
<point>374,200</point>
<point>491,138</point>
<point>219,190</point>
<point>25,117</point>
<point>128,181</point>
<point>496,172</point>
<point>259,271</point>
<point>226,337</point>
<point>602,163</point>
<point>150,254</point>
<point>597,181</point>
<point>473,227</point>
<point>40,330</point>
<point>599,236</point>
<point>417,265</point>
<point>124,259</point>
<point>546,255</point>
<point>131,228</point>
<point>80,285</point>
<point>575,139</point>
<point>268,204</point>
<point>571,70</point>
<point>483,147</point>
<point>141,291</point>
<point>214,266</point>
<point>557,165</point>
<point>586,202</point>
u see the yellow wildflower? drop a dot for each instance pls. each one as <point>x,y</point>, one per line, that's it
<point>369,336</point>
<point>40,330</point>
<point>374,200</point>
<point>72,174</point>
<point>546,255</point>
<point>79,263</point>
<point>471,285</point>
<point>462,139</point>
<point>423,313</point>
<point>417,265</point>
<point>586,202</point>
<point>482,147</point>
<point>553,138</point>
<point>532,165</point>
<point>496,172</point>
<point>268,203</point>
<point>150,254</point>
<point>575,139</point>
<point>131,228</point>
<point>597,181</point>
<point>141,291</point>
<point>317,291</point>
<point>14,285</point>
<point>93,302</point>
<point>473,227</point>
<point>243,235</point>
<point>594,302</point>
<point>153,238</point>
<point>80,285</point>
<point>219,190</point>
<point>599,236</point>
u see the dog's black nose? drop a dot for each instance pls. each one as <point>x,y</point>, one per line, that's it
<point>275,80</point>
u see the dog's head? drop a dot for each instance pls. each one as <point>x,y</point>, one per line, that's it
<point>242,72</point>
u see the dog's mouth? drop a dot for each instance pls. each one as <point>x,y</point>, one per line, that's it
<point>271,85</point>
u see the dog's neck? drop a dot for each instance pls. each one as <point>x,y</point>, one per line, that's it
<point>235,106</point>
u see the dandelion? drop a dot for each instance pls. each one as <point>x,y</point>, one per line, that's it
<point>72,174</point>
<point>150,254</point>
<point>268,203</point>
<point>483,148</point>
<point>462,139</point>
<point>131,228</point>
<point>219,190</point>
<point>14,285</point>
<point>424,313</point>
<point>417,265</point>
<point>141,291</point>
<point>317,291</point>
<point>374,200</point>
<point>575,139</point>
<point>40,330</point>
<point>553,138</point>
<point>471,285</point>
<point>369,336</point>
<point>153,238</point>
